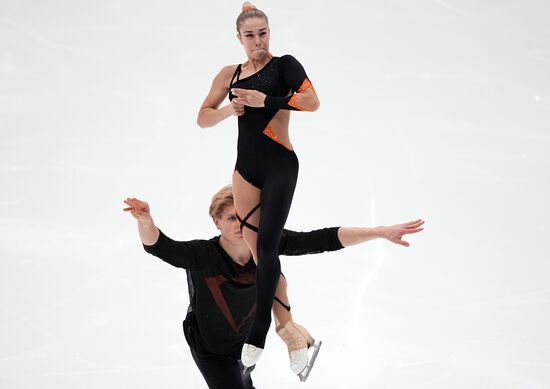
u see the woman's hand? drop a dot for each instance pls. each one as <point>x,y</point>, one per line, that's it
<point>236,108</point>
<point>395,233</point>
<point>249,97</point>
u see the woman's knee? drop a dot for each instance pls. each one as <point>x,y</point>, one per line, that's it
<point>267,250</point>
<point>269,268</point>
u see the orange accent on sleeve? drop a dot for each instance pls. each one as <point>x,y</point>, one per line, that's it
<point>306,85</point>
<point>294,99</point>
<point>293,102</point>
<point>269,132</point>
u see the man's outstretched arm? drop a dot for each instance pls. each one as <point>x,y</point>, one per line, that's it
<point>190,255</point>
<point>350,236</point>
<point>335,238</point>
<point>148,232</point>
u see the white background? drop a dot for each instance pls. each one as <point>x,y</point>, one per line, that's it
<point>429,109</point>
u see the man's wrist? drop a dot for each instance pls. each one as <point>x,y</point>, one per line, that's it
<point>378,232</point>
<point>149,223</point>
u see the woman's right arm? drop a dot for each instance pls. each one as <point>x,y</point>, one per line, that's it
<point>210,112</point>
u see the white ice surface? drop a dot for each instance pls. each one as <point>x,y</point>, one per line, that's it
<point>430,109</point>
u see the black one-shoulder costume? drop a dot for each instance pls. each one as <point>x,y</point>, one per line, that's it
<point>271,167</point>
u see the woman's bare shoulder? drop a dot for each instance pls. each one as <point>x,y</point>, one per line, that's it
<point>228,70</point>
<point>225,74</point>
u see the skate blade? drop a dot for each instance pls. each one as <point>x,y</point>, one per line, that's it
<point>305,373</point>
<point>248,369</point>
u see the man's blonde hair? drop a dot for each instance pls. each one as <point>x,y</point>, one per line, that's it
<point>220,200</point>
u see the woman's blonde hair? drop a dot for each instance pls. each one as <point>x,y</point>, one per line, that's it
<point>249,11</point>
<point>220,200</point>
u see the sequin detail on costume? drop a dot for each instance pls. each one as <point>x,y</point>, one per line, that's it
<point>293,102</point>
<point>270,133</point>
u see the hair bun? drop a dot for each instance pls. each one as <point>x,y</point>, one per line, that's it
<point>248,6</point>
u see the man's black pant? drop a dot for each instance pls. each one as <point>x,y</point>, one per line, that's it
<point>223,372</point>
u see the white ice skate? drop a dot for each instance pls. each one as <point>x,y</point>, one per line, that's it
<point>250,354</point>
<point>298,341</point>
<point>305,373</point>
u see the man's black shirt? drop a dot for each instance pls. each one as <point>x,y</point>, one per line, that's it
<point>222,293</point>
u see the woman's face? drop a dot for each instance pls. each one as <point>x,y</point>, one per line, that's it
<point>254,36</point>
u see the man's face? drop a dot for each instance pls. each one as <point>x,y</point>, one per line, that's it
<point>229,226</point>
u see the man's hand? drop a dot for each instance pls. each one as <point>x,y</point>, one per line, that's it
<point>396,232</point>
<point>139,210</point>
<point>148,232</point>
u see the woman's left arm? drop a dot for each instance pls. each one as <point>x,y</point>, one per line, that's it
<point>302,98</point>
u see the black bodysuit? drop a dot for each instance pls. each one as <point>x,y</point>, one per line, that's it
<point>271,167</point>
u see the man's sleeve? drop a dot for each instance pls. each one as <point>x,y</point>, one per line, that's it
<point>313,242</point>
<point>190,255</point>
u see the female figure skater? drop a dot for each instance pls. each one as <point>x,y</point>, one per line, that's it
<point>263,90</point>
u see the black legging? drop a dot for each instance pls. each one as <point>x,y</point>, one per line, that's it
<point>275,200</point>
<point>223,372</point>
